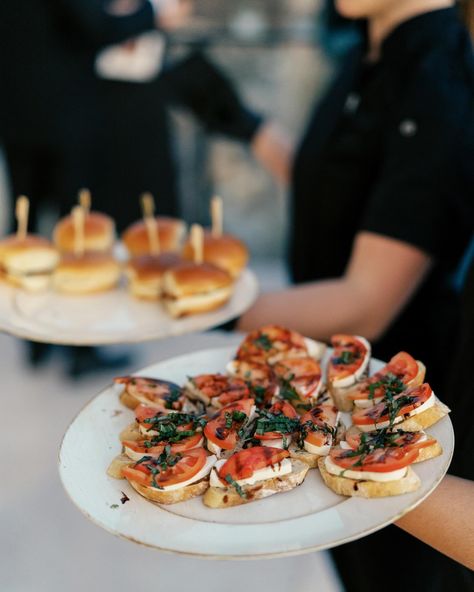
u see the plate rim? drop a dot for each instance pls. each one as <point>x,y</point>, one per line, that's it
<point>348,502</point>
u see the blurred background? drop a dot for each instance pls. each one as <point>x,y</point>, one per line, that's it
<point>270,50</point>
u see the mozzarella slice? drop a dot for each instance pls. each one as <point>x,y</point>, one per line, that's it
<point>385,424</point>
<point>277,442</point>
<point>357,375</point>
<point>334,469</point>
<point>282,468</point>
<point>365,403</point>
<point>214,448</point>
<point>320,450</point>
<point>316,349</point>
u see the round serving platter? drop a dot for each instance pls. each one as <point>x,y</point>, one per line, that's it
<point>308,518</point>
<point>109,317</point>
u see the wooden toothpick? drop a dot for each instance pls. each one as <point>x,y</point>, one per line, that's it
<point>148,209</point>
<point>78,217</point>
<point>217,216</point>
<point>85,200</point>
<point>197,242</point>
<point>21,212</point>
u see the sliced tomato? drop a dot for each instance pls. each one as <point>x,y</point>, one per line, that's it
<point>277,409</point>
<point>348,356</point>
<point>222,429</point>
<point>188,465</point>
<point>381,460</point>
<point>153,391</point>
<point>147,417</point>
<point>220,388</point>
<point>243,464</point>
<point>260,378</point>
<point>397,439</point>
<point>412,398</point>
<point>301,376</point>
<point>322,416</point>
<point>185,444</point>
<point>402,366</point>
<point>271,342</point>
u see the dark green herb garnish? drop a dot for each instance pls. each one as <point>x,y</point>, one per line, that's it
<point>258,391</point>
<point>270,422</point>
<point>263,342</point>
<point>287,391</point>
<point>233,483</point>
<point>389,382</point>
<point>172,397</point>
<point>160,464</point>
<point>346,357</point>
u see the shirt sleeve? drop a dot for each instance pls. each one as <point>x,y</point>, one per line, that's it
<point>101,27</point>
<point>414,197</point>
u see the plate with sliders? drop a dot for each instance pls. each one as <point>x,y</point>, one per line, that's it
<point>85,288</point>
<point>243,453</point>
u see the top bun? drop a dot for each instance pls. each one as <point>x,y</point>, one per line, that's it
<point>171,232</point>
<point>225,251</point>
<point>187,279</point>
<point>99,233</point>
<point>144,267</point>
<point>31,254</point>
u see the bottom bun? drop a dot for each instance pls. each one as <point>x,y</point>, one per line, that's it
<point>90,273</point>
<point>30,282</point>
<point>225,497</point>
<point>356,488</point>
<point>171,497</point>
<point>197,303</point>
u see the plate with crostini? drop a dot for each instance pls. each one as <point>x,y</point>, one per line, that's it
<point>278,447</point>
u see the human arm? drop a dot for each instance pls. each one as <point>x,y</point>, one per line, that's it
<point>380,278</point>
<point>445,520</point>
<point>273,147</point>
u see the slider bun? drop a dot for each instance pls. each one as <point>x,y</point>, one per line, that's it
<point>171,232</point>
<point>99,233</point>
<point>91,272</point>
<point>226,251</point>
<point>32,254</point>
<point>192,288</point>
<point>145,272</point>
<point>189,279</point>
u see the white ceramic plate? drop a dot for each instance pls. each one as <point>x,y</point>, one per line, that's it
<point>308,518</point>
<point>110,317</point>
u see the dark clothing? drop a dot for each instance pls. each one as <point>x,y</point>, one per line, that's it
<point>388,151</point>
<point>383,153</point>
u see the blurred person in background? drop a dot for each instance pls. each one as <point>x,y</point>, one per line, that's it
<point>380,184</point>
<point>382,190</point>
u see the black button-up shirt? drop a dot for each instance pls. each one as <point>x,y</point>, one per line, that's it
<point>390,149</point>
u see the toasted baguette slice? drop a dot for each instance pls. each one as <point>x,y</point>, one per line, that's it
<point>128,400</point>
<point>425,453</point>
<point>355,488</point>
<point>341,394</point>
<point>171,497</point>
<point>131,432</point>
<point>424,420</point>
<point>115,468</point>
<point>225,497</point>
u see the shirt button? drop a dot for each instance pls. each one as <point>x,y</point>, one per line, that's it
<point>408,128</point>
<point>352,103</point>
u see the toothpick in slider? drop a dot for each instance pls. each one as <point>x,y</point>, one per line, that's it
<point>148,209</point>
<point>197,242</point>
<point>217,216</point>
<point>21,212</point>
<point>85,200</point>
<point>78,218</point>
